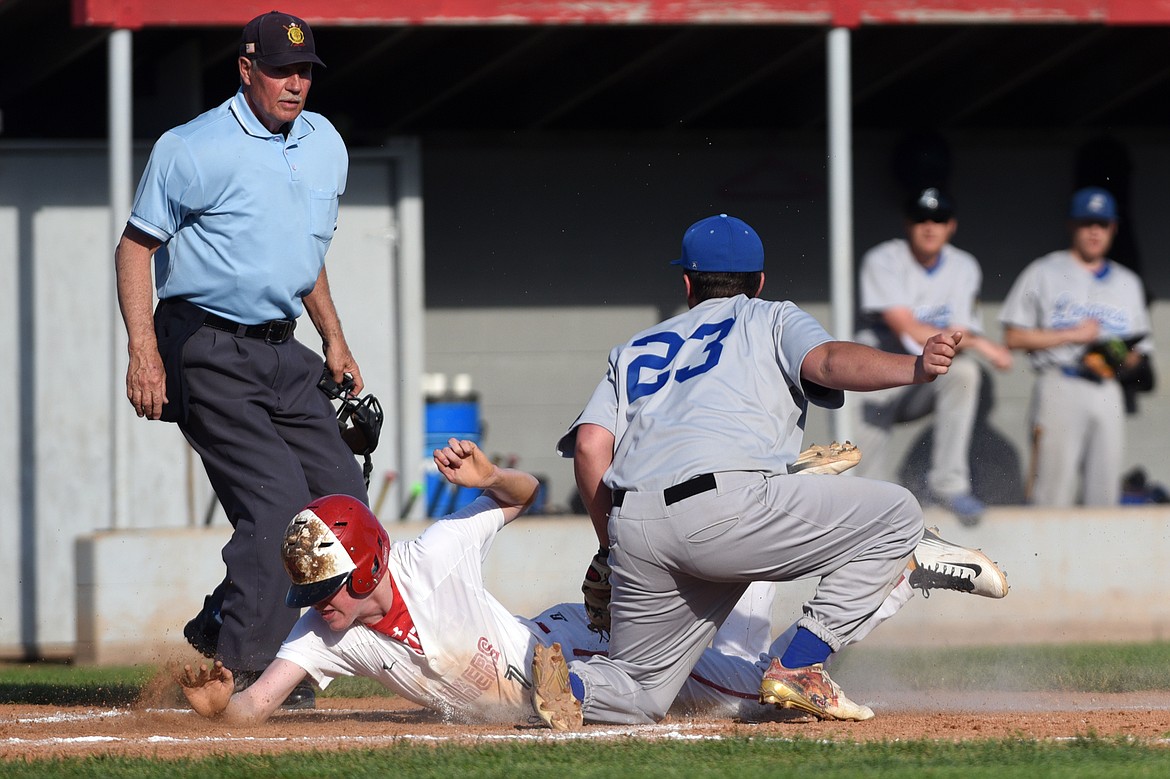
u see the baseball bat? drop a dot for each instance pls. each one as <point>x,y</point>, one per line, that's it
<point>387,480</point>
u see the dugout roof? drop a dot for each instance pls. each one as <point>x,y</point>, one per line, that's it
<point>417,67</point>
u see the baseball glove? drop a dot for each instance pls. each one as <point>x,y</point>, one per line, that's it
<point>831,459</point>
<point>1103,359</point>
<point>597,590</point>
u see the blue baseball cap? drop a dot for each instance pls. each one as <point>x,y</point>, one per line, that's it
<point>722,244</point>
<point>1093,203</point>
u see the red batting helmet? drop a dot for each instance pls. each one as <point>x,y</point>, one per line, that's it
<point>335,540</point>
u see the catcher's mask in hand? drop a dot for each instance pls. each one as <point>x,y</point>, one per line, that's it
<point>360,419</point>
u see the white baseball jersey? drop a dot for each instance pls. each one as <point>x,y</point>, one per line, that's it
<point>474,656</point>
<point>945,295</point>
<point>467,657</point>
<point>678,392</point>
<point>1056,291</point>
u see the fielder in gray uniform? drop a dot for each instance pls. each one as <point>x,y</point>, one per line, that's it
<point>1066,307</point>
<point>912,288</point>
<point>681,457</point>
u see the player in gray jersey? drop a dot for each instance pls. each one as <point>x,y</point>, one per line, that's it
<point>681,456</point>
<point>1065,308</point>
<point>910,289</point>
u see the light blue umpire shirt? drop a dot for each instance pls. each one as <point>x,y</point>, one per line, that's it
<point>245,215</point>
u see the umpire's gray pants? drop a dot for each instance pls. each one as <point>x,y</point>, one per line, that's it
<point>678,570</point>
<point>270,443</point>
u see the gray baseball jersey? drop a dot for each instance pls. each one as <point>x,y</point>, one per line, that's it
<point>1078,425</point>
<point>707,366</point>
<point>1055,292</point>
<point>716,392</point>
<point>944,296</point>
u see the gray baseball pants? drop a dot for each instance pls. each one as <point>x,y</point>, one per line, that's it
<point>270,444</point>
<point>954,401</point>
<point>1078,429</point>
<point>679,569</point>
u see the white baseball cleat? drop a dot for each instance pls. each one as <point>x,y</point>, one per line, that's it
<point>941,565</point>
<point>832,459</point>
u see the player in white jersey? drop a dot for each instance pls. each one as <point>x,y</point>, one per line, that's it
<point>1065,307</point>
<point>681,456</point>
<point>910,289</point>
<point>416,617</point>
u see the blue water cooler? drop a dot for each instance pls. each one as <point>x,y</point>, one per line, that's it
<point>450,414</point>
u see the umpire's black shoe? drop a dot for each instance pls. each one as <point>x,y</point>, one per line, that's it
<point>202,632</point>
<point>303,696</point>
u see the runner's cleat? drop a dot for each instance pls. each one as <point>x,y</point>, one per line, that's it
<point>552,697</point>
<point>809,689</point>
<point>941,565</point>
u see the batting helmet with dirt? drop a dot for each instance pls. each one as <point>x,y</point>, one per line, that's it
<point>335,541</point>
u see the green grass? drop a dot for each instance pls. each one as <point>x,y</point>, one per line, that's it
<point>1089,668</point>
<point>1074,667</point>
<point>68,685</point>
<point>741,758</point>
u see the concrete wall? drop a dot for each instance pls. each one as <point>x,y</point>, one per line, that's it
<point>1075,576</point>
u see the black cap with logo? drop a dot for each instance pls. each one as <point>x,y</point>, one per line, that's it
<point>278,39</point>
<point>931,204</point>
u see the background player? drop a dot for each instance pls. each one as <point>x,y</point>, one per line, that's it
<point>688,440</point>
<point>910,289</point>
<point>416,617</point>
<point>1066,307</point>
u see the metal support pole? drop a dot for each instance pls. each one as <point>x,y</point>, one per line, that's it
<point>411,327</point>
<point>840,204</point>
<point>119,99</point>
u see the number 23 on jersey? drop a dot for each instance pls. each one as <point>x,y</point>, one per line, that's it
<point>651,371</point>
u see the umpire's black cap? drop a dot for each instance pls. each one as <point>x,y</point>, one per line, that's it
<point>277,39</point>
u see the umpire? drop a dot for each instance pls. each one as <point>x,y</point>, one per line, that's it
<point>237,209</point>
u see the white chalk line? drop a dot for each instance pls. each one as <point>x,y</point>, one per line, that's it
<point>676,732</point>
<point>671,732</point>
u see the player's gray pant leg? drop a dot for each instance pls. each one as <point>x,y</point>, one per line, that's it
<point>662,623</point>
<point>269,443</point>
<point>720,684</point>
<point>880,524</point>
<point>956,401</point>
<point>877,417</point>
<point>679,569</point>
<point>1081,428</point>
<point>880,411</point>
<point>1105,447</point>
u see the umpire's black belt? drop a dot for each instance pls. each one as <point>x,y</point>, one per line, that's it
<point>678,492</point>
<point>275,332</point>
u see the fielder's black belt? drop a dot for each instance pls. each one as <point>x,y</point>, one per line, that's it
<point>672,495</point>
<point>275,332</point>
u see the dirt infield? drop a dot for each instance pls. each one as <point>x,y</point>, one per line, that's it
<point>37,732</point>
